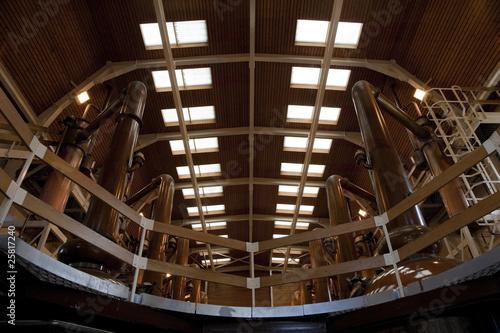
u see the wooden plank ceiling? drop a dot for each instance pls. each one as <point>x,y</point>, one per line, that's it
<point>443,42</point>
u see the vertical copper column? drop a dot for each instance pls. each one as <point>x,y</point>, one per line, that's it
<point>321,292</point>
<point>305,295</point>
<point>196,293</point>
<point>101,217</point>
<point>339,214</point>
<point>390,181</point>
<point>157,241</point>
<point>57,188</point>
<point>179,282</point>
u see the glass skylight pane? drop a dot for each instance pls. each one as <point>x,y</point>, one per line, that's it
<point>338,78</point>
<point>212,190</point>
<point>179,33</point>
<point>224,236</point>
<point>182,170</point>
<point>151,34</point>
<point>161,79</point>
<point>210,226</point>
<point>300,112</point>
<point>311,31</point>
<point>348,34</point>
<point>288,189</point>
<point>215,208</point>
<point>279,236</point>
<point>178,145</point>
<point>206,143</point>
<point>188,192</point>
<point>316,169</point>
<point>191,32</point>
<point>291,167</point>
<point>323,144</point>
<point>288,224</point>
<point>210,168</point>
<point>285,207</point>
<point>295,142</point>
<point>305,75</point>
<point>192,210</point>
<point>329,114</point>
<point>197,76</point>
<point>202,113</point>
<point>306,208</point>
<point>311,190</point>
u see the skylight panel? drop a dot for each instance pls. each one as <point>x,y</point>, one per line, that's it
<point>295,169</point>
<point>180,34</point>
<point>216,261</point>
<point>309,191</point>
<point>202,145</point>
<point>187,79</point>
<point>288,225</point>
<point>205,192</point>
<point>192,115</point>
<point>314,33</point>
<point>210,226</point>
<point>308,77</point>
<point>290,209</point>
<point>207,210</point>
<point>299,144</point>
<point>304,114</point>
<point>279,236</point>
<point>311,31</point>
<point>204,170</point>
<point>281,260</point>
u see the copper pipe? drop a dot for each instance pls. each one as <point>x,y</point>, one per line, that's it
<point>57,188</point>
<point>305,295</point>
<point>339,214</point>
<point>321,292</point>
<point>101,217</point>
<point>452,193</point>
<point>179,282</point>
<point>359,191</point>
<point>195,296</point>
<point>114,108</point>
<point>390,181</point>
<point>157,241</point>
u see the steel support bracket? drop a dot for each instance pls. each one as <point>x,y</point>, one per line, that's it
<point>381,220</point>
<point>392,258</point>
<point>147,223</point>
<point>252,247</point>
<point>16,193</point>
<point>253,283</point>
<point>139,262</point>
<point>37,147</point>
<point>493,143</point>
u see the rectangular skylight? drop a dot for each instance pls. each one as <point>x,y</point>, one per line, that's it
<point>304,114</point>
<point>187,79</point>
<point>292,191</point>
<point>216,261</point>
<point>202,145</point>
<point>279,236</point>
<point>283,250</point>
<point>210,226</point>
<point>280,260</point>
<point>204,170</point>
<point>314,33</point>
<point>308,77</point>
<point>205,192</point>
<point>290,209</point>
<point>180,34</point>
<point>192,116</point>
<point>207,210</point>
<point>288,225</point>
<point>295,169</point>
<point>299,144</point>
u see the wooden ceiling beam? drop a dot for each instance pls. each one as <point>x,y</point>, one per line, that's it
<point>148,139</point>
<point>169,60</point>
